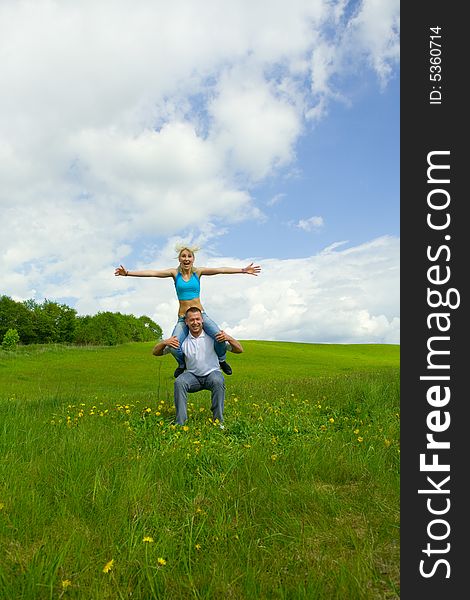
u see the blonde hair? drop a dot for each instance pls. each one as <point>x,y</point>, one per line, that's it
<point>180,247</point>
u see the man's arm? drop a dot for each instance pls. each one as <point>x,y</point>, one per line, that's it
<point>236,347</point>
<point>159,349</point>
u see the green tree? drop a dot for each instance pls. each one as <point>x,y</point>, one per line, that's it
<point>51,322</point>
<point>109,329</point>
<point>15,315</point>
<point>104,328</point>
<point>10,339</point>
<point>151,330</point>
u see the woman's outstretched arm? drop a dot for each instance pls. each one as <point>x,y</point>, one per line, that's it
<point>251,269</point>
<point>123,272</point>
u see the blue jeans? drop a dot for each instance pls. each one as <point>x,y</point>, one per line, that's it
<point>210,327</point>
<point>188,382</point>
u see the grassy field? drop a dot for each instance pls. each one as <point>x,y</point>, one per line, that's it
<point>101,497</point>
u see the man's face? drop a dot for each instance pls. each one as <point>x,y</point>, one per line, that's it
<point>194,322</point>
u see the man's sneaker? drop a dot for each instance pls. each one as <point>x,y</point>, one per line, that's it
<point>178,371</point>
<point>226,368</point>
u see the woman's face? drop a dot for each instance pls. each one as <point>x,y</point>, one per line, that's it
<point>186,258</point>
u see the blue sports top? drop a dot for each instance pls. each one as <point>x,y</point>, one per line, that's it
<point>187,290</point>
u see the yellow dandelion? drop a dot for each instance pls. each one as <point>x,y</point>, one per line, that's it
<point>356,431</point>
<point>185,428</point>
<point>323,427</point>
<point>273,457</point>
<point>66,583</point>
<point>108,566</point>
<point>158,413</point>
<point>148,539</point>
<point>387,442</point>
<point>360,439</point>
<point>198,546</point>
<point>331,420</point>
<point>161,562</point>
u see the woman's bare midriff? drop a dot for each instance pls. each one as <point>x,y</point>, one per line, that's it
<point>185,304</point>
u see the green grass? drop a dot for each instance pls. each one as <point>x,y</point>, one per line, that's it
<point>297,499</point>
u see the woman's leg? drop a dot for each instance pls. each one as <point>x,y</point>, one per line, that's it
<point>211,328</point>
<point>180,331</point>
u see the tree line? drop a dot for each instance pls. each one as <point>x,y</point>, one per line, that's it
<point>50,322</point>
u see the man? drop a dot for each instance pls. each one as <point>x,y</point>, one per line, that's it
<point>202,365</point>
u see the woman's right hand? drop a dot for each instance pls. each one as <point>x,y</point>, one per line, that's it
<point>121,271</point>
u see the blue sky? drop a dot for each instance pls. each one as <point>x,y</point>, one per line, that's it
<point>264,131</point>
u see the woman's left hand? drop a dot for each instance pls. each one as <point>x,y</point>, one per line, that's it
<point>252,269</point>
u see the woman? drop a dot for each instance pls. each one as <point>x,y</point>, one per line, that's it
<point>186,278</point>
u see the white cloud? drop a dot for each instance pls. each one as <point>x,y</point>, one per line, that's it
<point>253,126</point>
<point>276,199</point>
<point>157,179</point>
<point>375,30</point>
<point>369,36</point>
<point>348,296</point>
<point>310,224</point>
